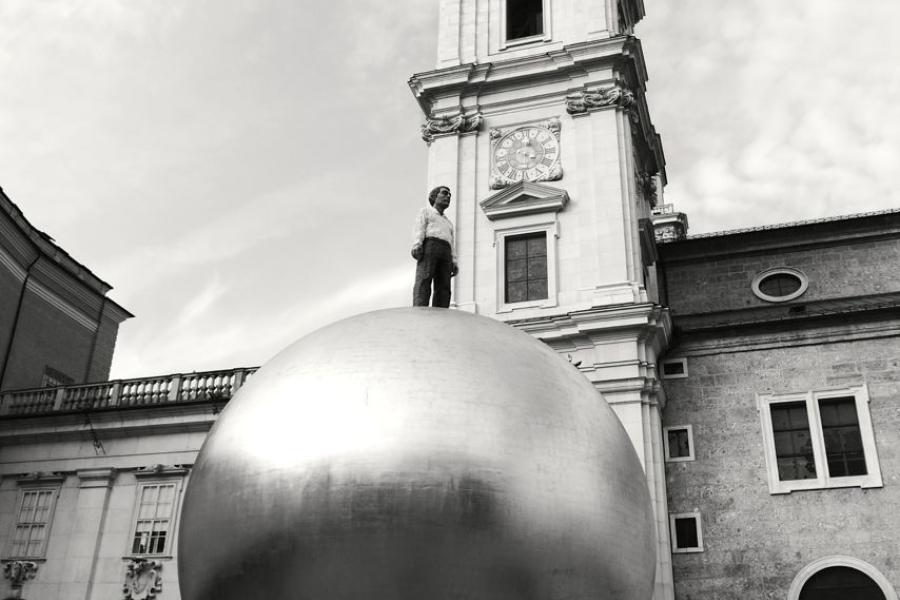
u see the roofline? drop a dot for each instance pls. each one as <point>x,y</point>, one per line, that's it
<point>45,246</point>
<point>727,232</point>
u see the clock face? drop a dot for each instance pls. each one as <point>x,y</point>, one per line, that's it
<point>526,154</point>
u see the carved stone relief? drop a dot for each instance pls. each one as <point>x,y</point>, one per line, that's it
<point>615,95</point>
<point>19,571</point>
<point>142,579</point>
<point>450,124</point>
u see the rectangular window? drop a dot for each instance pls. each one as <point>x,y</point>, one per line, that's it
<point>679,443</point>
<point>686,533</point>
<point>54,378</point>
<point>819,439</point>
<point>526,267</point>
<point>843,442</point>
<point>33,523</point>
<point>793,442</point>
<point>152,531</point>
<point>524,18</point>
<point>674,368</point>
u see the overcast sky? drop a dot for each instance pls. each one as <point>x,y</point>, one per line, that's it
<point>245,172</point>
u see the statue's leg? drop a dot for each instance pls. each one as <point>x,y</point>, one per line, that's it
<point>442,276</point>
<point>424,275</point>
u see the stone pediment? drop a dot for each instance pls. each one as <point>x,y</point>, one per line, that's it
<point>524,198</point>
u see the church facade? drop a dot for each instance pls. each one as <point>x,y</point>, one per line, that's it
<point>756,372</point>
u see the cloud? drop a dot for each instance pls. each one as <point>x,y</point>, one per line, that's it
<point>781,113</point>
<point>212,341</point>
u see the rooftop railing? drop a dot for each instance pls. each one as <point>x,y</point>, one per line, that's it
<point>145,391</point>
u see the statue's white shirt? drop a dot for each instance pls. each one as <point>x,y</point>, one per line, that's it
<point>431,223</point>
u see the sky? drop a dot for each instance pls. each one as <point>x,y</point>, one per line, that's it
<point>243,173</point>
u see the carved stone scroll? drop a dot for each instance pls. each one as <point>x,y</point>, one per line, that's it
<point>616,95</point>
<point>142,579</point>
<point>457,123</point>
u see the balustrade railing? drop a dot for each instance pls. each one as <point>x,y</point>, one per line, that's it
<point>145,391</point>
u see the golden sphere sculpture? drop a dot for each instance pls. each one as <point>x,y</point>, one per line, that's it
<point>417,454</point>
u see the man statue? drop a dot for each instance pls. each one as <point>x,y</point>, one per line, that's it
<point>434,251</point>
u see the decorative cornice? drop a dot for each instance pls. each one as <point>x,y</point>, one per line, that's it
<point>95,477</point>
<point>161,471</point>
<point>450,124</point>
<point>19,571</point>
<point>40,477</point>
<point>613,96</point>
<point>142,579</point>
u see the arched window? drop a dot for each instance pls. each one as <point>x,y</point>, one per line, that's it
<point>840,583</point>
<point>840,578</point>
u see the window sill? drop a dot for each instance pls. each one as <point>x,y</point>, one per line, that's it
<point>7,559</point>
<point>508,308</point>
<point>525,41</point>
<point>800,485</point>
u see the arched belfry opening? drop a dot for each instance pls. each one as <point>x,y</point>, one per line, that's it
<point>524,18</point>
<point>841,583</point>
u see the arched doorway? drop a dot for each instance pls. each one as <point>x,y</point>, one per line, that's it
<point>840,583</point>
<point>840,578</point>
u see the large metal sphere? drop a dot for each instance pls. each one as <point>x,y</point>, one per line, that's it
<point>420,454</point>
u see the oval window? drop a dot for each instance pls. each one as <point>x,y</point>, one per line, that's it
<point>779,285</point>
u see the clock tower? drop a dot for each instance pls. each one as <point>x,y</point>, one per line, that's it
<point>536,118</point>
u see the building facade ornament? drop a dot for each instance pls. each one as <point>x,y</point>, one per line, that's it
<point>142,579</point>
<point>616,95</point>
<point>158,470</point>
<point>19,571</point>
<point>450,124</point>
<point>646,185</point>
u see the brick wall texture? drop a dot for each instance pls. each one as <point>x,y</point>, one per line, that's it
<point>755,543</point>
<point>723,282</point>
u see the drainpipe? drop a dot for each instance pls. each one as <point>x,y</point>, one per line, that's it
<point>90,361</point>
<point>12,334</point>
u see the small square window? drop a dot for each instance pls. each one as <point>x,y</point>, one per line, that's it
<point>674,368</point>
<point>820,439</point>
<point>687,535</point>
<point>679,443</point>
<point>154,519</point>
<point>33,520</point>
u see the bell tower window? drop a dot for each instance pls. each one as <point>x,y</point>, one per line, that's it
<point>524,18</point>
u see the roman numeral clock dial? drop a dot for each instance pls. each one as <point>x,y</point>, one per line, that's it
<point>529,153</point>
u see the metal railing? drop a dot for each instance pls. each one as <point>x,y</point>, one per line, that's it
<point>145,391</point>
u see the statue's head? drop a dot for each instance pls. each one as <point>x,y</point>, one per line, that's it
<point>432,195</point>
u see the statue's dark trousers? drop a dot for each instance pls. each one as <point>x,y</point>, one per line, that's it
<point>434,266</point>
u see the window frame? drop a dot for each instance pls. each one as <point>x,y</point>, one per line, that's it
<point>507,44</point>
<point>823,480</point>
<point>54,489</point>
<point>804,284</point>
<point>141,484</point>
<point>550,229</point>
<point>690,433</point>
<point>670,361</point>
<point>673,533</point>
